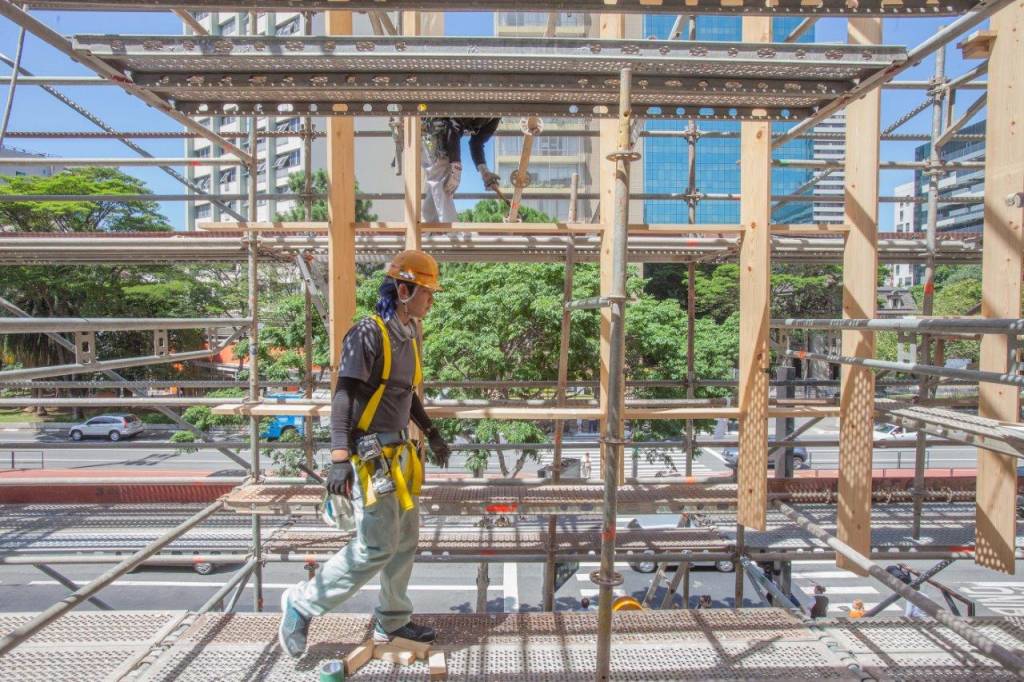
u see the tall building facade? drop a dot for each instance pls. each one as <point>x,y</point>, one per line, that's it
<point>554,157</point>
<point>280,157</point>
<point>955,217</point>
<point>904,220</point>
<point>830,147</point>
<point>16,170</point>
<point>665,159</point>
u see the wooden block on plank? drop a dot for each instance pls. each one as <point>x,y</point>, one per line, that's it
<point>420,649</point>
<point>978,45</point>
<point>389,653</point>
<point>359,657</point>
<point>438,666</point>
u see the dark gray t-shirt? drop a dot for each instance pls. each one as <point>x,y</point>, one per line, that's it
<point>362,358</point>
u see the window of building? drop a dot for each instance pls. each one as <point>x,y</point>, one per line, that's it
<point>229,27</point>
<point>203,183</point>
<point>287,160</point>
<point>289,124</point>
<point>228,175</point>
<point>227,120</point>
<point>203,211</point>
<point>202,153</point>
<point>288,28</point>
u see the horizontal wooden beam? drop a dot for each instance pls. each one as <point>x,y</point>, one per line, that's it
<point>810,228</point>
<point>533,413</point>
<point>503,228</point>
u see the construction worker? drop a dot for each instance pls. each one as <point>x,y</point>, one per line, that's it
<point>374,462</point>
<point>442,162</point>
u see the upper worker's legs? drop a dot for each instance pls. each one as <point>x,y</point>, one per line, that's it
<point>395,607</point>
<point>376,541</point>
<point>438,205</point>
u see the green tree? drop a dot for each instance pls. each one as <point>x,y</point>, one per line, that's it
<point>100,291</point>
<point>321,185</point>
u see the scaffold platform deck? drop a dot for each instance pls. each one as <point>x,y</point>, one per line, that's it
<point>716,644</point>
<point>445,76</point>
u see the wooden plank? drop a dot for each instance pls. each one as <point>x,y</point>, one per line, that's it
<point>341,205</point>
<point>812,228</point>
<point>755,270</point>
<point>978,45</point>
<point>505,228</point>
<point>611,26</point>
<point>860,268</point>
<point>1001,280</point>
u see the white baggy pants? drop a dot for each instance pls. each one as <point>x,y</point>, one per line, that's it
<point>438,205</point>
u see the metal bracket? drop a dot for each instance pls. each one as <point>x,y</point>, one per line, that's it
<point>615,580</point>
<point>1015,200</point>
<point>521,180</point>
<point>85,348</point>
<point>159,342</point>
<point>624,156</point>
<point>594,303</point>
<point>1013,354</point>
<point>398,135</point>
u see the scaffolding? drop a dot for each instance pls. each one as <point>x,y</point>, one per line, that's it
<point>402,72</point>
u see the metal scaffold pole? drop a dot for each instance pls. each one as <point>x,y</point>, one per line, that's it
<point>254,368</point>
<point>927,304</point>
<point>606,578</point>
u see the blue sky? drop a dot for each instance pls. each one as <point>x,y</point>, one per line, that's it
<point>35,110</point>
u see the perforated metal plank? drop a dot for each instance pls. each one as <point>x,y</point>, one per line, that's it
<point>84,646</point>
<point>966,428</point>
<point>496,499</point>
<point>739,7</point>
<point>447,76</point>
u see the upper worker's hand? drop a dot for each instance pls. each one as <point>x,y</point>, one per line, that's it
<point>454,178</point>
<point>438,447</point>
<point>339,479</point>
<point>491,180</point>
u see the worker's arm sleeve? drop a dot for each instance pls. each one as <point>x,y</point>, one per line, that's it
<point>341,413</point>
<point>477,142</point>
<point>359,351</point>
<point>419,414</point>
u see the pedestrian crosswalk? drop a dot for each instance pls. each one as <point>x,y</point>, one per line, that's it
<point>672,465</point>
<point>841,588</point>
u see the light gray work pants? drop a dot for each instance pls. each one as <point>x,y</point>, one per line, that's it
<point>385,542</point>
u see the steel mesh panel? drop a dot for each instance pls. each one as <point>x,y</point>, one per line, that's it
<point>64,663</point>
<point>94,627</point>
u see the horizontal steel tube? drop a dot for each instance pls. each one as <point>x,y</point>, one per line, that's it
<point>86,559</point>
<point>987,646</point>
<point>23,632</point>
<point>973,325</point>
<point>39,325</point>
<point>912,368</point>
<point>136,161</point>
<point>102,365</point>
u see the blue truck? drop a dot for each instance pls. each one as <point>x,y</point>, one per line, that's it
<point>282,424</point>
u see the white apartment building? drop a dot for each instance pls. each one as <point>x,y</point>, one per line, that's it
<point>833,149</point>
<point>282,156</point>
<point>903,274</point>
<point>14,170</point>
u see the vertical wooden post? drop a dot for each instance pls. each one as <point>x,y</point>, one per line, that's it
<point>415,24</point>
<point>612,26</point>
<point>1001,280</point>
<point>860,267</point>
<point>341,205</point>
<point>755,272</point>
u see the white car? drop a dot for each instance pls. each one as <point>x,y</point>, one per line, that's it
<point>111,426</point>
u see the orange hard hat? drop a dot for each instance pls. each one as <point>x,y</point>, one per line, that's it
<point>417,267</point>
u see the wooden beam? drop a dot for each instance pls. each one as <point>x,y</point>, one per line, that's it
<point>860,268</point>
<point>341,205</point>
<point>502,228</point>
<point>813,228</point>
<point>755,270</point>
<point>611,26</point>
<point>978,45</point>
<point>1001,267</point>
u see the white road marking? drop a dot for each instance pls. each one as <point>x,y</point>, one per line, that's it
<point>267,586</point>
<point>825,575</point>
<point>510,576</point>
<point>842,589</point>
<point>843,608</point>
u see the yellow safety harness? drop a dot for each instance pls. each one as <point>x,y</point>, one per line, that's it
<point>413,469</point>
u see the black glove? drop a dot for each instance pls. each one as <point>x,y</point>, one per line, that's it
<point>438,447</point>
<point>339,479</point>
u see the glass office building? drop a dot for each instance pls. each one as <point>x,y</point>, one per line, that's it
<point>718,172</point>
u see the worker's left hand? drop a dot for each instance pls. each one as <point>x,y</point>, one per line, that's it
<point>438,447</point>
<point>491,180</point>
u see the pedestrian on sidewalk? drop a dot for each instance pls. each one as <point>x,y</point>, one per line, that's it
<point>820,608</point>
<point>374,462</point>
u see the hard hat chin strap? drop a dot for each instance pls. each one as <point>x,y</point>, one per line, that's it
<point>404,301</point>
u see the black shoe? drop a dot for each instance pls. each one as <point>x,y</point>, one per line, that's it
<point>411,631</point>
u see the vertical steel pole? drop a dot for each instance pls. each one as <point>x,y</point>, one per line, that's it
<point>307,200</point>
<point>15,72</point>
<point>927,306</point>
<point>691,320</point>
<point>254,367</point>
<point>606,578</point>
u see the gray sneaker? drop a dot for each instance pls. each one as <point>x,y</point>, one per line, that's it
<point>412,631</point>
<point>294,628</point>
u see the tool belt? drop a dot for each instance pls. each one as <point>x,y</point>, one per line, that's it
<point>381,470</point>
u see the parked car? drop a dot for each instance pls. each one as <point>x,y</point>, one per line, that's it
<point>112,426</point>
<point>283,424</point>
<point>799,455</point>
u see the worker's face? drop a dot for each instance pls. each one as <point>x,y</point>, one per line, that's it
<point>420,303</point>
